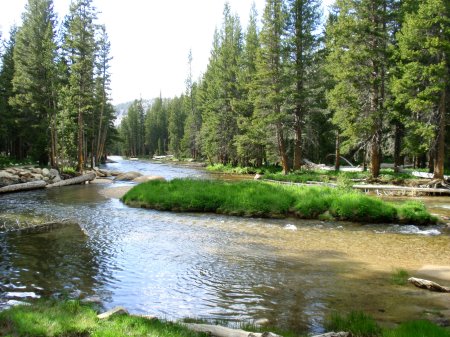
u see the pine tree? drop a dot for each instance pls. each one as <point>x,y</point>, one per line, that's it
<point>251,140</point>
<point>191,138</point>
<point>222,92</point>
<point>358,61</point>
<point>10,129</point>
<point>35,78</point>
<point>80,47</point>
<point>176,121</point>
<point>303,43</point>
<point>271,80</point>
<point>103,116</point>
<point>423,88</point>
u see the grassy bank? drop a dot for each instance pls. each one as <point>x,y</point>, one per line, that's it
<point>259,199</point>
<point>73,319</point>
<point>362,325</point>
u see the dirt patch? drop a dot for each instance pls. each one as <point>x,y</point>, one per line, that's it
<point>436,272</point>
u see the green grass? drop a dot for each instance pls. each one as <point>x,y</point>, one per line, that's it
<point>242,169</point>
<point>363,325</point>
<point>260,199</point>
<point>73,319</point>
<point>356,322</point>
<point>420,328</point>
<point>8,161</point>
<point>400,277</point>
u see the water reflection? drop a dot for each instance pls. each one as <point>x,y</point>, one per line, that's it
<point>211,266</point>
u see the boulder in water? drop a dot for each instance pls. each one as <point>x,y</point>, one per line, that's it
<point>143,179</point>
<point>127,176</point>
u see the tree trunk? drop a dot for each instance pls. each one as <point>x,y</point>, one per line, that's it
<point>74,181</point>
<point>282,149</point>
<point>23,187</point>
<point>298,141</point>
<point>337,163</point>
<point>80,147</point>
<point>375,159</point>
<point>440,151</point>
<point>398,160</point>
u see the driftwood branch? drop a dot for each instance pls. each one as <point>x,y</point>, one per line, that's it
<point>73,181</point>
<point>220,331</point>
<point>430,285</point>
<point>32,185</point>
<point>334,334</point>
<point>402,188</point>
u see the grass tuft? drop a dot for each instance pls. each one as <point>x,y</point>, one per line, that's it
<point>73,319</point>
<point>356,322</point>
<point>400,277</point>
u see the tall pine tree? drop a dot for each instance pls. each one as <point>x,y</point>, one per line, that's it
<point>424,85</point>
<point>35,78</point>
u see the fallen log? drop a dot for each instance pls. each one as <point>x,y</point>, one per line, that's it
<point>334,334</point>
<point>430,285</point>
<point>32,185</point>
<point>401,188</point>
<point>73,181</point>
<point>220,331</point>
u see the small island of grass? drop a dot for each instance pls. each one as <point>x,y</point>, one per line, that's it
<point>260,199</point>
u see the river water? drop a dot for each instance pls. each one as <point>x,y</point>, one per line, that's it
<point>288,272</point>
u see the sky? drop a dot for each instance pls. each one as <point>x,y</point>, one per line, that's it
<point>150,39</point>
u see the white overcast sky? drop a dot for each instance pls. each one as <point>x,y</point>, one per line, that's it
<point>151,39</point>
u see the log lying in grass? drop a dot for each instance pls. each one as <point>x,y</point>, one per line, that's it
<point>74,181</point>
<point>220,331</point>
<point>32,185</point>
<point>334,334</point>
<point>114,311</point>
<point>430,285</point>
<point>402,188</point>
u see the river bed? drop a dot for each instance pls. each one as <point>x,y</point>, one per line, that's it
<point>291,273</point>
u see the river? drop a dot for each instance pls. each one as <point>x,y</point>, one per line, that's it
<point>288,272</point>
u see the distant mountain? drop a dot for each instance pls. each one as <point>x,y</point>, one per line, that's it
<point>122,109</point>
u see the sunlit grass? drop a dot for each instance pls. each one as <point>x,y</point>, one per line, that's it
<point>73,319</point>
<point>259,199</point>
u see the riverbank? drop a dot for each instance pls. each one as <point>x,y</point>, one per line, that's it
<point>71,318</point>
<point>260,199</point>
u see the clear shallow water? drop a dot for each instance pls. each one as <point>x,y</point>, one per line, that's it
<point>176,265</point>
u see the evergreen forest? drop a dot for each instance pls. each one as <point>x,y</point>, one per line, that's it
<point>368,80</point>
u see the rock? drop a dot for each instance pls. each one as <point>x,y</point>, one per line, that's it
<point>104,172</point>
<point>115,173</point>
<point>262,321</point>
<point>128,176</point>
<point>101,181</point>
<point>143,179</point>
<point>113,311</point>
<point>37,176</point>
<point>46,172</point>
<point>6,178</point>
<point>257,176</point>
<point>36,170</point>
<point>53,174</point>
